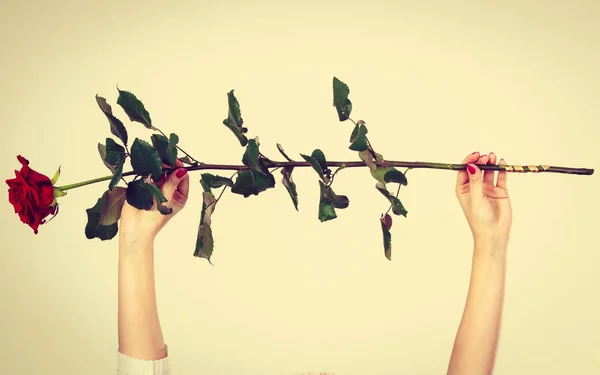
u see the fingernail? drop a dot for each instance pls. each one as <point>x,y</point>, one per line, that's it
<point>180,173</point>
<point>474,152</point>
<point>471,169</point>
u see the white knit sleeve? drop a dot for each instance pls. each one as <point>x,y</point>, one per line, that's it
<point>133,366</point>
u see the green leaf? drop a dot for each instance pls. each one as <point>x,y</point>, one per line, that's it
<point>160,199</point>
<point>134,108</point>
<point>290,185</point>
<point>145,160</point>
<point>395,175</point>
<point>379,173</point>
<point>315,164</point>
<point>358,138</point>
<point>205,241</point>
<point>103,217</point>
<point>102,152</point>
<point>140,195</point>
<point>209,181</point>
<point>116,126</point>
<point>326,207</point>
<point>115,153</point>
<point>234,120</point>
<point>111,212</point>
<point>166,148</point>
<point>251,157</point>
<point>340,99</point>
<point>386,224</point>
<point>367,157</point>
<point>117,174</point>
<point>56,176</point>
<point>252,183</point>
<point>397,206</point>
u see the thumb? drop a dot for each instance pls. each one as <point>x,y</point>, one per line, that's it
<point>172,182</point>
<point>475,183</point>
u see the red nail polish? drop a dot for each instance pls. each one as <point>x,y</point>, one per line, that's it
<point>471,169</point>
<point>180,173</point>
<point>474,152</point>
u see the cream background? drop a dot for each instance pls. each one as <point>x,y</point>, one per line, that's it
<point>288,294</point>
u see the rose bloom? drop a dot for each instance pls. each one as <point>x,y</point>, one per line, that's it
<point>32,195</point>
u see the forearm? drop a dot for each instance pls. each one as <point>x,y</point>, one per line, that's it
<point>140,335</point>
<point>476,342</point>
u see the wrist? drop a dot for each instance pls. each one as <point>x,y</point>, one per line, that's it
<point>135,243</point>
<point>490,245</point>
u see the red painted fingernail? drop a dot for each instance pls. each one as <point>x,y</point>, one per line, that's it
<point>180,173</point>
<point>471,169</point>
<point>474,152</point>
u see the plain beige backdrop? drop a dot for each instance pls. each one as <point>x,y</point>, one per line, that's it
<point>288,294</point>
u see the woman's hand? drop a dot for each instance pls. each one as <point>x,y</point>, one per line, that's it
<point>486,205</point>
<point>141,224</point>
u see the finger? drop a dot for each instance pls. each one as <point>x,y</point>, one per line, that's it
<point>462,177</point>
<point>179,163</point>
<point>172,182</point>
<point>502,175</point>
<point>475,184</point>
<point>184,187</point>
<point>483,159</point>
<point>488,176</point>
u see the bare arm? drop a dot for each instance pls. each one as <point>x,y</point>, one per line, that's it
<point>140,335</point>
<point>476,342</point>
<point>488,211</point>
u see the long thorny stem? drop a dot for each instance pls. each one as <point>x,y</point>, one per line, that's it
<point>357,164</point>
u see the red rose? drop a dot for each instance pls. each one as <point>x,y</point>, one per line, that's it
<point>32,194</point>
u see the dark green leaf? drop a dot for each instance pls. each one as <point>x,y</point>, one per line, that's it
<point>234,120</point>
<point>134,108</point>
<point>252,183</point>
<point>115,153</point>
<point>339,201</point>
<point>117,174</point>
<point>160,199</point>
<point>139,195</point>
<point>397,207</point>
<point>116,126</point>
<point>395,175</point>
<point>319,156</point>
<point>251,157</point>
<point>166,148</point>
<point>103,217</point>
<point>205,241</point>
<point>211,181</point>
<point>145,160</point>
<point>315,164</point>
<point>102,152</point>
<point>340,99</point>
<point>358,138</point>
<point>326,207</point>
<point>386,223</point>
<point>290,185</point>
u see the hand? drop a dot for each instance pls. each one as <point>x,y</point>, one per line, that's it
<point>142,224</point>
<point>485,205</point>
